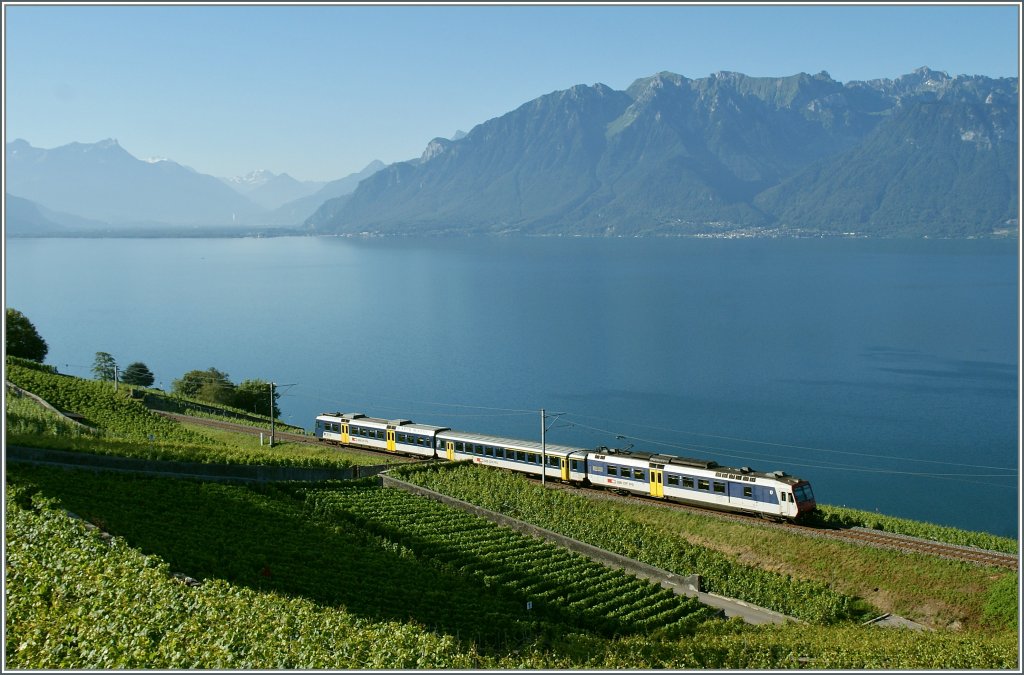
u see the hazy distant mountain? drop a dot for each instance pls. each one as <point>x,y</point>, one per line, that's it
<point>22,216</point>
<point>271,190</point>
<point>299,209</point>
<point>925,154</point>
<point>101,181</point>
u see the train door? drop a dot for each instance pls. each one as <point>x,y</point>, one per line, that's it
<point>391,440</point>
<point>344,433</point>
<point>565,468</point>
<point>450,450</point>
<point>657,484</point>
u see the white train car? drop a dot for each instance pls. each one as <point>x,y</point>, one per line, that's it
<point>563,462</point>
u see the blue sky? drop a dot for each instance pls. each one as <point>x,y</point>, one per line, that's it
<point>321,91</point>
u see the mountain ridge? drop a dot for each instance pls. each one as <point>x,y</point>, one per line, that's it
<point>674,155</point>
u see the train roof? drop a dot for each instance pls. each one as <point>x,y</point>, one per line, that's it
<point>405,424</point>
<point>705,464</point>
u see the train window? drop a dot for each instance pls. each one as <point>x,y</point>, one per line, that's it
<point>638,474</point>
<point>613,471</point>
<point>720,488</point>
<point>748,491</point>
<point>703,484</point>
<point>574,464</point>
<point>687,482</point>
<point>520,455</point>
<point>499,453</point>
<point>673,480</point>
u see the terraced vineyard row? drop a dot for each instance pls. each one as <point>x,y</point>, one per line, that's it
<point>558,585</point>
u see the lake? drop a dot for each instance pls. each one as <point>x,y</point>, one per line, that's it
<point>885,372</point>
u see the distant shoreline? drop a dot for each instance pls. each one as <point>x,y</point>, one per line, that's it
<point>1003,234</point>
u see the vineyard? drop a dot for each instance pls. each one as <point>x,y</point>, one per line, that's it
<point>360,577</point>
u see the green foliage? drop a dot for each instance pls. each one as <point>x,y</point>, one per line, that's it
<point>214,386</point>
<point>104,367</point>
<point>25,417</point>
<point>1002,606</point>
<point>22,338</point>
<point>139,374</point>
<point>254,395</point>
<point>31,365</point>
<point>196,383</point>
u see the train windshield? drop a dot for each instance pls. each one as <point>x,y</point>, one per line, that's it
<point>803,493</point>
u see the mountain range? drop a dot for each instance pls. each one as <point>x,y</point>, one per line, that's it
<point>925,154</point>
<point>100,188</point>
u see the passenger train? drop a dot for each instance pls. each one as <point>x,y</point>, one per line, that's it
<point>774,495</point>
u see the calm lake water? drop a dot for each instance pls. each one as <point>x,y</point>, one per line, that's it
<point>885,372</point>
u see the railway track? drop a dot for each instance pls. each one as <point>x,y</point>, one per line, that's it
<point>236,427</point>
<point>901,542</point>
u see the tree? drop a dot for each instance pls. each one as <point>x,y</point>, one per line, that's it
<point>23,339</point>
<point>254,395</point>
<point>208,385</point>
<point>137,373</point>
<point>104,367</point>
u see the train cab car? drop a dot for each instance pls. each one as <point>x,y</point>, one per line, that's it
<point>702,483</point>
<point>797,497</point>
<point>563,462</point>
<point>770,495</point>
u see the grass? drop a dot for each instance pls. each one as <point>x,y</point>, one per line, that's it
<point>922,588</point>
